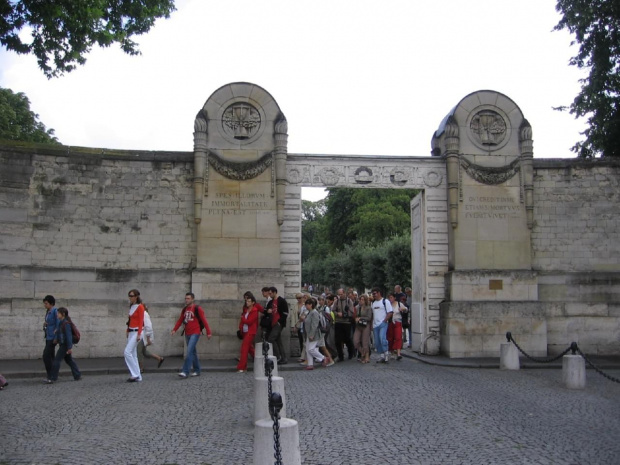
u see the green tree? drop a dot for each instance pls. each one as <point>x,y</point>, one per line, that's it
<point>596,26</point>
<point>314,240</point>
<point>18,122</point>
<point>369,215</point>
<point>64,31</point>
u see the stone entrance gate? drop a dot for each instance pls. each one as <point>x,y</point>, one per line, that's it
<point>500,241</point>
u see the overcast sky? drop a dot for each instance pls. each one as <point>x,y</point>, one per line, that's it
<point>351,76</point>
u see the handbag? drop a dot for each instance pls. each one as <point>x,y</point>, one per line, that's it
<point>239,334</point>
<point>363,322</point>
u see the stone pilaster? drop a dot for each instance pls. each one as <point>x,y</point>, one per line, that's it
<point>527,155</point>
<point>200,162</point>
<point>280,150</point>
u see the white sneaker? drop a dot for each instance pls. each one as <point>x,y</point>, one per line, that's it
<point>182,375</point>
<point>195,374</point>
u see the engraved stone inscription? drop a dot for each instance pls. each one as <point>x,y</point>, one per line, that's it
<point>492,208</point>
<point>223,203</point>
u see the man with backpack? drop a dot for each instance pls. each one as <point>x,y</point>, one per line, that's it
<point>381,314</point>
<point>193,317</point>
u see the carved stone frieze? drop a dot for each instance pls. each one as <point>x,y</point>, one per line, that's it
<point>240,171</point>
<point>491,175</point>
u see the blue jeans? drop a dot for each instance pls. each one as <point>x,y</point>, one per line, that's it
<point>191,359</point>
<point>380,334</point>
<point>60,356</point>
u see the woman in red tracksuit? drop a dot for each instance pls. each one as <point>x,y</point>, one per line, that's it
<point>248,325</point>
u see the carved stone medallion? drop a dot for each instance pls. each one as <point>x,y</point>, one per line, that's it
<point>363,175</point>
<point>329,176</point>
<point>489,128</point>
<point>241,121</point>
<point>432,178</point>
<point>297,174</point>
<point>398,177</point>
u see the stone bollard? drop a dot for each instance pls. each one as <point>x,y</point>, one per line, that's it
<point>261,397</point>
<point>509,357</point>
<point>264,442</point>
<point>574,371</point>
<point>259,366</point>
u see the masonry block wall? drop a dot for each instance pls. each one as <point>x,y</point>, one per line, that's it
<point>87,225</point>
<point>576,251</point>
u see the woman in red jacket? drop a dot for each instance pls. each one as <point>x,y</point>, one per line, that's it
<point>248,325</point>
<point>134,334</point>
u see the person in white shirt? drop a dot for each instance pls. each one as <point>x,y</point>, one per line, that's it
<point>381,315</point>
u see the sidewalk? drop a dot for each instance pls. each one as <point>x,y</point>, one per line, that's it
<point>116,365</point>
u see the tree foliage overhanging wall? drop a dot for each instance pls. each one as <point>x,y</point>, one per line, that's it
<point>357,237</point>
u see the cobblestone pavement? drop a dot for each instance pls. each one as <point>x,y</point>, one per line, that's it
<point>402,413</point>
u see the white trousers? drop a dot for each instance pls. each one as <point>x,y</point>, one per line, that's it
<point>131,355</point>
<point>312,352</point>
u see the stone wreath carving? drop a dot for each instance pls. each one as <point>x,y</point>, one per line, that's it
<point>490,175</point>
<point>398,176</point>
<point>432,178</point>
<point>363,175</point>
<point>330,176</point>
<point>240,171</point>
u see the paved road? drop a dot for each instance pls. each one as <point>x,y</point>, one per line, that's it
<point>403,413</point>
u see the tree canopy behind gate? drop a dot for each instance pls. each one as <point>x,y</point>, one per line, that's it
<point>358,238</point>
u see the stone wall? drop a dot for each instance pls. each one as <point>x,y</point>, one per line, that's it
<point>87,225</point>
<point>576,252</point>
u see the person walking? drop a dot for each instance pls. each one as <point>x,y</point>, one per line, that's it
<point>148,338</point>
<point>192,316</point>
<point>363,325</point>
<point>298,324</point>
<point>278,308</point>
<point>312,334</point>
<point>248,326</point>
<point>395,326</point>
<point>382,313</point>
<point>343,309</point>
<point>50,325</point>
<point>65,347</point>
<point>135,326</point>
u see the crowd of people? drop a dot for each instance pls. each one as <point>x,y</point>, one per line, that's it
<point>325,325</point>
<point>328,324</point>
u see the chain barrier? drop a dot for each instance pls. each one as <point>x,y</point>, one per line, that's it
<point>597,369</point>
<point>535,359</point>
<point>275,405</point>
<point>573,347</point>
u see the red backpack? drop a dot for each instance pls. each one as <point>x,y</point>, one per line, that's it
<point>75,333</point>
